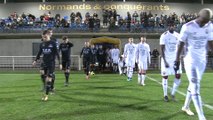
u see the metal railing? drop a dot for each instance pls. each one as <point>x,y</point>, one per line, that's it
<point>25,62</point>
<point>13,63</point>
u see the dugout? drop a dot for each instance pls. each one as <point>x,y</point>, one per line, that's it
<point>106,42</point>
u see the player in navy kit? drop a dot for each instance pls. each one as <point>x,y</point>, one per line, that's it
<point>50,30</point>
<point>87,53</point>
<point>93,59</point>
<point>49,50</point>
<point>65,49</point>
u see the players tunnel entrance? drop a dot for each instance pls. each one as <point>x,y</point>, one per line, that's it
<point>106,42</point>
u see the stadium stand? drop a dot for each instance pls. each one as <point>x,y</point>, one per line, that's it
<point>136,23</point>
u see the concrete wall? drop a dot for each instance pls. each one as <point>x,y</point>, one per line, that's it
<point>23,47</point>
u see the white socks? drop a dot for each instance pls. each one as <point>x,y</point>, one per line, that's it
<point>165,86</point>
<point>188,99</point>
<point>120,70</point>
<point>198,106</point>
<point>130,72</point>
<point>141,79</point>
<point>176,84</point>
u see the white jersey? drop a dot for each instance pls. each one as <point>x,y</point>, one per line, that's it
<point>170,40</point>
<point>121,62</point>
<point>115,54</point>
<point>143,53</point>
<point>129,54</point>
<point>196,39</point>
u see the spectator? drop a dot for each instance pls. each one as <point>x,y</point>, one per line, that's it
<point>24,16</point>
<point>114,14</point>
<point>121,21</point>
<point>105,17</point>
<point>72,17</point>
<point>78,20</point>
<point>129,21</point>
<point>110,14</point>
<point>91,23</point>
<point>135,16</point>
<point>155,53</point>
<point>95,15</point>
<point>57,16</point>
<point>146,20</point>
<point>87,15</point>
<point>78,14</point>
<point>111,24</point>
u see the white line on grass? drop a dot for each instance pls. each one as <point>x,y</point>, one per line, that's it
<point>206,105</point>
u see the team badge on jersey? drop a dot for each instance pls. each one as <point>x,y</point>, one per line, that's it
<point>43,45</point>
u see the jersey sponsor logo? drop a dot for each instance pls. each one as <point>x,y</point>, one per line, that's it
<point>64,49</point>
<point>46,51</point>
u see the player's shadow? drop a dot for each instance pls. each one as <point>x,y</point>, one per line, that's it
<point>135,106</point>
<point>107,107</point>
<point>109,87</point>
<point>96,81</point>
<point>104,87</point>
<point>106,96</point>
<point>85,112</point>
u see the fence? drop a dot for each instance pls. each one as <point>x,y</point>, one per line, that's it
<point>25,62</point>
<point>12,63</point>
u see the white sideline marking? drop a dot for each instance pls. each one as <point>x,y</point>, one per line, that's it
<point>206,105</point>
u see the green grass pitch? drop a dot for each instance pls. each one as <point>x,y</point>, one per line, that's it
<point>103,97</point>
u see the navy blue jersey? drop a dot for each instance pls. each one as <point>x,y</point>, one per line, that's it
<point>56,42</point>
<point>86,52</point>
<point>49,51</point>
<point>65,49</point>
<point>94,55</point>
<point>101,55</point>
<point>94,51</point>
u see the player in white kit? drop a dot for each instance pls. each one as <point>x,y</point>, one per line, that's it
<point>143,59</point>
<point>115,53</point>
<point>169,41</point>
<point>195,35</point>
<point>129,55</point>
<point>121,65</point>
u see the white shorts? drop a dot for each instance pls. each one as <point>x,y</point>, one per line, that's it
<point>143,65</point>
<point>130,63</point>
<point>121,64</point>
<point>170,70</point>
<point>115,61</point>
<point>194,70</point>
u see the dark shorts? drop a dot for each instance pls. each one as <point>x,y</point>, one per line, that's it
<point>93,60</point>
<point>42,66</point>
<point>66,65</point>
<point>49,69</point>
<point>86,62</point>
